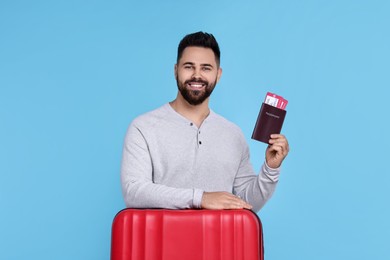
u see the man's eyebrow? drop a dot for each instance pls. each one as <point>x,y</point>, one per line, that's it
<point>203,64</point>
<point>188,63</point>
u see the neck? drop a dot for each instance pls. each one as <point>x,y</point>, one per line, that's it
<point>196,114</point>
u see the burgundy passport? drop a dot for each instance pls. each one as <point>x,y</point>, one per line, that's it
<point>269,121</point>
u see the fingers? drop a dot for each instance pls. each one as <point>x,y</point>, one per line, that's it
<point>278,138</point>
<point>277,150</point>
<point>279,143</point>
<point>237,203</point>
<point>280,148</point>
<point>223,200</point>
<point>233,202</point>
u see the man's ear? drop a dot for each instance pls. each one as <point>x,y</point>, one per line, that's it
<point>219,74</point>
<point>175,71</point>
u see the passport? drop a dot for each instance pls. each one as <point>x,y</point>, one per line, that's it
<point>269,121</point>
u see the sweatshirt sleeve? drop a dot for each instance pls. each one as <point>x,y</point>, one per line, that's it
<point>255,189</point>
<point>138,188</point>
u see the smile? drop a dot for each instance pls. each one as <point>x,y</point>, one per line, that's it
<point>196,85</point>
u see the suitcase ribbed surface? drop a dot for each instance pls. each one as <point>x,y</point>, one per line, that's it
<point>186,235</point>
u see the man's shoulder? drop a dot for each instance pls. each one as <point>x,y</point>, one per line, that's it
<point>226,124</point>
<point>151,117</point>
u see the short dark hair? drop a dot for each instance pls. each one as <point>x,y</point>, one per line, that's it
<point>199,39</point>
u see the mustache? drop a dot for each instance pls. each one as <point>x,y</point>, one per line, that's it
<point>197,81</point>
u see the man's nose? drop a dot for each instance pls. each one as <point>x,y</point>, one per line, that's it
<point>197,73</point>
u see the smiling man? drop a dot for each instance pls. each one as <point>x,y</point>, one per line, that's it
<point>184,155</point>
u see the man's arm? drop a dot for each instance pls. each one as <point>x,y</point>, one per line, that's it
<point>138,188</point>
<point>257,190</point>
<point>251,191</point>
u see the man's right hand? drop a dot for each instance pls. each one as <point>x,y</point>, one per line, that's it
<point>223,200</point>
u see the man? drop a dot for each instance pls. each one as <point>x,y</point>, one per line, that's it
<point>183,155</point>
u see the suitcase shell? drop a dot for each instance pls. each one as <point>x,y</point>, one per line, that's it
<point>151,234</point>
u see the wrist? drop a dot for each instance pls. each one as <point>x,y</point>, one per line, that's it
<point>272,165</point>
<point>271,168</point>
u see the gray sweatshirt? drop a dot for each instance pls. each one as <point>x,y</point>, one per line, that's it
<point>168,162</point>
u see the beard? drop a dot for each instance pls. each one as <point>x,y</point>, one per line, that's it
<point>195,97</point>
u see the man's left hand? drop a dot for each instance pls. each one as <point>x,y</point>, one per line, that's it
<point>277,150</point>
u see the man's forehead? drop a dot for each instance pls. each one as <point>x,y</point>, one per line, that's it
<point>198,55</point>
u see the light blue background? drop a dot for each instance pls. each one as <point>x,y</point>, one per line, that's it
<point>73,74</point>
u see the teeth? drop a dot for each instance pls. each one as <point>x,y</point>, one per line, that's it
<point>196,85</point>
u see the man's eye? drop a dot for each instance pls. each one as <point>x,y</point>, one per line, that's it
<point>188,67</point>
<point>206,68</point>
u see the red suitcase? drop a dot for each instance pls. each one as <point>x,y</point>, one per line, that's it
<point>151,234</point>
